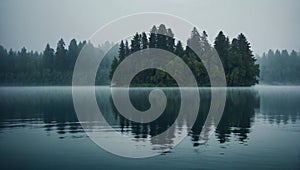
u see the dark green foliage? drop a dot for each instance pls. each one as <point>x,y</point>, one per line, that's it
<point>161,38</point>
<point>170,40</point>
<point>55,67</point>
<point>153,37</point>
<point>248,62</point>
<point>135,43</point>
<point>179,49</point>
<point>48,58</point>
<point>222,45</point>
<point>144,41</point>
<point>60,56</point>
<point>237,58</point>
<point>122,52</point>
<point>72,53</point>
<point>279,67</point>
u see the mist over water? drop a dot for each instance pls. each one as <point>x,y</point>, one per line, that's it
<point>259,129</point>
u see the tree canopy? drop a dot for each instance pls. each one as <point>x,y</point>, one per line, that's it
<point>51,67</point>
<point>279,67</point>
<point>54,66</point>
<point>236,56</point>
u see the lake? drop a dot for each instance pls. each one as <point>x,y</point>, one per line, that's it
<point>259,129</point>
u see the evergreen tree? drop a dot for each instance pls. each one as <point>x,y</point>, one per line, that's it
<point>32,68</point>
<point>81,45</point>
<point>222,46</point>
<point>294,67</point>
<point>48,58</point>
<point>11,68</point>
<point>235,70</point>
<point>136,43</point>
<point>170,40</point>
<point>153,37</point>
<point>114,66</point>
<point>3,59</point>
<point>144,41</point>
<point>127,50</point>
<point>60,56</point>
<point>122,52</point>
<point>204,44</point>
<point>242,69</point>
<point>72,54</point>
<point>179,49</point>
<point>279,67</point>
<point>193,41</point>
<point>23,60</point>
<point>251,68</point>
<point>161,37</point>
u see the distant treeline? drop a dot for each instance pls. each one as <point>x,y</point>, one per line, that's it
<point>52,67</point>
<point>55,66</point>
<point>279,67</point>
<point>236,56</point>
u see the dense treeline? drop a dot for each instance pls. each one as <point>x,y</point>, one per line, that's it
<point>236,56</point>
<point>52,67</point>
<point>279,67</point>
<point>55,66</point>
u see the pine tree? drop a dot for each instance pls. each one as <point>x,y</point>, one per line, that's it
<point>122,52</point>
<point>161,37</point>
<point>144,41</point>
<point>72,54</point>
<point>81,45</point>
<point>179,49</point>
<point>204,44</point>
<point>11,68</point>
<point>170,40</point>
<point>60,56</point>
<point>48,58</point>
<point>248,62</point>
<point>114,66</point>
<point>127,50</point>
<point>136,43</point>
<point>198,44</point>
<point>235,72</point>
<point>194,40</point>
<point>222,46</point>
<point>3,60</point>
<point>23,60</point>
<point>153,37</point>
<point>294,62</point>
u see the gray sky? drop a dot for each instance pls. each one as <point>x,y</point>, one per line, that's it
<point>33,23</point>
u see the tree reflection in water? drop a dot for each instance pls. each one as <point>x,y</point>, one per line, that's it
<point>52,109</point>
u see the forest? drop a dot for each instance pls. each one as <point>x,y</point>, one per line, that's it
<point>55,66</point>
<point>51,67</point>
<point>279,67</point>
<point>239,64</point>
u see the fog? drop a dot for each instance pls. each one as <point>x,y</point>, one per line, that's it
<point>267,24</point>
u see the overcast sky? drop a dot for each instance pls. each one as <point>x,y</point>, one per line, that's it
<point>33,23</point>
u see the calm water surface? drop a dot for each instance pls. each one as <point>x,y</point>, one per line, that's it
<point>260,129</point>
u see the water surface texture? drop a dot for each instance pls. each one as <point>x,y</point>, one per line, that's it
<point>258,130</point>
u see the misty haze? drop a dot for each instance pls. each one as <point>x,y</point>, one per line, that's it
<point>80,80</point>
